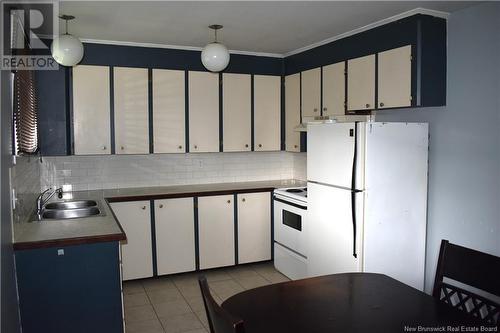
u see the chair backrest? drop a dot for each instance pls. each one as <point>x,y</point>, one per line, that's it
<point>473,268</point>
<point>219,320</point>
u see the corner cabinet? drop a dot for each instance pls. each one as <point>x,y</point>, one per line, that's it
<point>203,112</point>
<point>216,231</point>
<point>175,235</point>
<point>91,110</point>
<point>137,257</point>
<point>236,112</point>
<point>131,108</point>
<point>70,288</point>
<point>394,78</point>
<point>169,111</point>
<point>267,112</point>
<point>254,227</point>
<point>292,112</point>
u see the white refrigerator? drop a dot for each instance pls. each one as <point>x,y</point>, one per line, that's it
<point>367,199</point>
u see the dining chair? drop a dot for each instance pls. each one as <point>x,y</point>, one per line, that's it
<point>219,320</point>
<point>475,269</point>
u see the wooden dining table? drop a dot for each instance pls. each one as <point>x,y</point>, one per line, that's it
<point>351,302</point>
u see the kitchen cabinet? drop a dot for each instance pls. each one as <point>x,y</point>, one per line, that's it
<point>394,78</point>
<point>311,92</point>
<point>137,257</point>
<point>292,112</point>
<point>216,231</point>
<point>203,112</point>
<point>334,89</point>
<point>175,240</point>
<point>131,104</point>
<point>70,288</point>
<point>267,112</point>
<point>169,110</point>
<point>91,110</point>
<point>254,227</point>
<point>236,111</point>
<point>361,83</point>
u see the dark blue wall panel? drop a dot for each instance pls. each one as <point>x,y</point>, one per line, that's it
<point>76,292</point>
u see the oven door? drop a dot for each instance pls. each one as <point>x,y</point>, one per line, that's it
<point>289,226</point>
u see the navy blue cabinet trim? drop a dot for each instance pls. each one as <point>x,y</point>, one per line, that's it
<point>112,108</point>
<point>69,110</point>
<point>235,205</point>
<point>221,113</point>
<point>153,236</point>
<point>196,233</point>
<point>283,115</point>
<point>252,113</point>
<point>186,99</point>
<point>150,110</point>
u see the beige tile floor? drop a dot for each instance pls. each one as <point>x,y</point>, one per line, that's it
<point>173,304</point>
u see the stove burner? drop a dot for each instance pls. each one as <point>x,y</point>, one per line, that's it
<point>295,190</point>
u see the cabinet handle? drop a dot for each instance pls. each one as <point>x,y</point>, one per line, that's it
<point>195,147</point>
<point>367,105</point>
<point>122,148</point>
<point>260,145</point>
<point>161,206</point>
<point>324,109</point>
<point>246,146</point>
<point>295,146</point>
<point>381,104</point>
<point>143,207</point>
<point>180,147</point>
<point>315,110</point>
<point>243,200</point>
<point>103,147</point>
<point>229,201</point>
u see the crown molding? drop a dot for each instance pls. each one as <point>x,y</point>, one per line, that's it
<point>176,47</point>
<point>397,17</point>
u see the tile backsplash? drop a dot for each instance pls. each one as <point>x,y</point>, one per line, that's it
<point>25,180</point>
<point>113,171</point>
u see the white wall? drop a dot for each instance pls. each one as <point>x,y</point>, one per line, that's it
<point>97,172</point>
<point>464,155</point>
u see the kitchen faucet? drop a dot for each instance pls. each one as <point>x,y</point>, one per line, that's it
<point>40,201</point>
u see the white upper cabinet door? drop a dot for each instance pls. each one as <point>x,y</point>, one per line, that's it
<point>131,110</point>
<point>91,110</point>
<point>216,231</point>
<point>334,89</point>
<point>169,111</point>
<point>175,244</point>
<point>361,83</point>
<point>311,92</point>
<point>137,254</point>
<point>394,78</point>
<point>236,110</point>
<point>203,112</point>
<point>292,112</point>
<point>267,112</point>
<point>254,227</point>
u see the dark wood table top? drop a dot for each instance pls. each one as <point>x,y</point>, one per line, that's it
<point>353,302</point>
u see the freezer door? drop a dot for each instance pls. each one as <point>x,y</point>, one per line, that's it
<point>330,153</point>
<point>330,233</point>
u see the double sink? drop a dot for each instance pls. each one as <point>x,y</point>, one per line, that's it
<point>60,210</point>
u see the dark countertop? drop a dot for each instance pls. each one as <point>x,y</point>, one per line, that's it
<point>104,228</point>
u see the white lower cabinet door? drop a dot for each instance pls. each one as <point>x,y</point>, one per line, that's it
<point>175,244</point>
<point>137,252</point>
<point>254,227</point>
<point>216,231</point>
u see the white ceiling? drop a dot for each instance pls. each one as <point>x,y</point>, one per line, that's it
<point>261,26</point>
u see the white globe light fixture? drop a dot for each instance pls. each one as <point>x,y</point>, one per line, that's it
<point>215,56</point>
<point>67,49</point>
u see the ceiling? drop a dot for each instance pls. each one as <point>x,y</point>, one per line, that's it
<point>261,26</point>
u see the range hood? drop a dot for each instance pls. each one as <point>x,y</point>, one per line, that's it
<point>302,127</point>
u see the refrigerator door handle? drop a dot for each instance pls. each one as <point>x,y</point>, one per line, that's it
<point>353,189</point>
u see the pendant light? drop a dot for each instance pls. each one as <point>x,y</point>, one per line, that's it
<point>215,56</point>
<point>67,49</point>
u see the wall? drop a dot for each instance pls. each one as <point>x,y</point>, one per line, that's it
<point>97,172</point>
<point>25,180</point>
<point>9,314</point>
<point>464,155</point>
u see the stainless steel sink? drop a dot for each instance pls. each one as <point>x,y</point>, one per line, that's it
<point>59,214</point>
<point>71,204</point>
